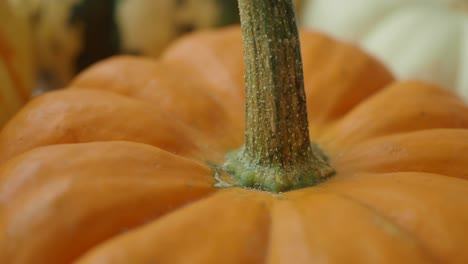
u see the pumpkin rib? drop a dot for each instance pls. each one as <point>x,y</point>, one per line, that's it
<point>336,76</point>
<point>38,155</point>
<point>205,53</point>
<point>160,83</point>
<point>130,183</point>
<point>73,116</point>
<point>320,232</point>
<point>438,151</point>
<point>403,107</point>
<point>408,199</point>
<point>430,257</point>
<point>174,238</point>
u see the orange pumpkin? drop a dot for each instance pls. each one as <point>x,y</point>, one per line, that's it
<point>118,167</point>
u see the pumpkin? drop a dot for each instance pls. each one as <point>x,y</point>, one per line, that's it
<point>129,164</point>
<point>424,40</point>
<point>16,65</point>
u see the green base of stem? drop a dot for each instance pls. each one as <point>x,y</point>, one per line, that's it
<point>250,174</point>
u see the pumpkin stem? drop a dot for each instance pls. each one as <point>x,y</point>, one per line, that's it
<point>277,155</point>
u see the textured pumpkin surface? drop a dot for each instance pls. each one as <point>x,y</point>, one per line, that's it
<point>114,168</point>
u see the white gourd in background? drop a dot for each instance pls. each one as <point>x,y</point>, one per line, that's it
<point>417,39</point>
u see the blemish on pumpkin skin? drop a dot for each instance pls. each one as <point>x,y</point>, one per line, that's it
<point>280,197</point>
<point>343,72</point>
<point>189,185</point>
<point>422,114</point>
<point>222,180</point>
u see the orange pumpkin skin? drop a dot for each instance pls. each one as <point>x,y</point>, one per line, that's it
<point>114,168</point>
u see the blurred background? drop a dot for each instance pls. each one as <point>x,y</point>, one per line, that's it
<point>45,43</point>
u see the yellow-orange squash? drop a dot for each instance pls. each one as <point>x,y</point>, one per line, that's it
<point>115,169</point>
<point>16,61</point>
